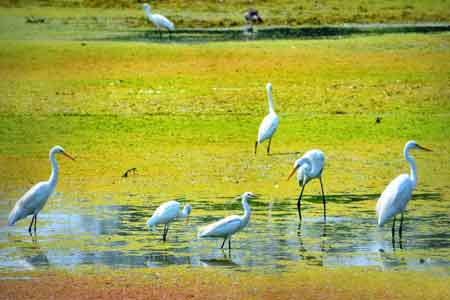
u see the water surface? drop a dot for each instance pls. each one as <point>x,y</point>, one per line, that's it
<point>116,235</point>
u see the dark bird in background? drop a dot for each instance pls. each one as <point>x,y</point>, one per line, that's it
<point>252,16</point>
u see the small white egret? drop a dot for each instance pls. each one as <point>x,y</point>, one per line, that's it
<point>168,212</point>
<point>228,226</point>
<point>34,200</point>
<point>269,124</point>
<point>397,194</point>
<point>308,167</point>
<point>158,20</point>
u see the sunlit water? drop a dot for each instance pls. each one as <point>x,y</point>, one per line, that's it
<point>117,236</point>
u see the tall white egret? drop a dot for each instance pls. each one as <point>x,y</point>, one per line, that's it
<point>34,200</point>
<point>158,20</point>
<point>168,212</point>
<point>397,194</point>
<point>308,167</point>
<point>269,124</point>
<point>228,226</point>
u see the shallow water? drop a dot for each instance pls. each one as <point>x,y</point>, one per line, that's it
<point>70,235</point>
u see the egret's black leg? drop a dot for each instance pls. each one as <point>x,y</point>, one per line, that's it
<point>221,247</point>
<point>160,34</point>
<point>165,232</point>
<point>400,230</point>
<point>35,221</point>
<point>299,205</point>
<point>31,224</point>
<point>324,201</point>
<point>256,146</point>
<point>229,243</point>
<point>268,146</point>
<point>393,232</point>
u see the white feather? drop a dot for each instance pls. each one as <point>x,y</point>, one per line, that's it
<point>394,198</point>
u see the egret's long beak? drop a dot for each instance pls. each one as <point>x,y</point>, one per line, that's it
<point>423,148</point>
<point>293,171</point>
<point>68,156</point>
<point>254,196</point>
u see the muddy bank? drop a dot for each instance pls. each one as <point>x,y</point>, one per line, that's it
<point>204,283</point>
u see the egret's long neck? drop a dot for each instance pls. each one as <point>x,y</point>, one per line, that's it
<point>148,12</point>
<point>412,165</point>
<point>269,96</point>
<point>54,176</point>
<point>305,163</point>
<point>247,211</point>
<point>185,212</point>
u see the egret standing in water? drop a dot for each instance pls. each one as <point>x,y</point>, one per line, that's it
<point>397,194</point>
<point>228,226</point>
<point>167,213</point>
<point>269,124</point>
<point>34,200</point>
<point>308,167</point>
<point>158,20</point>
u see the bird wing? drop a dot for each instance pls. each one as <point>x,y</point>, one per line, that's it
<point>162,21</point>
<point>165,213</point>
<point>31,202</point>
<point>268,127</point>
<point>394,198</point>
<point>222,228</point>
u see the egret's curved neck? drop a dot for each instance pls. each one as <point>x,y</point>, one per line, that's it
<point>148,11</point>
<point>306,164</point>
<point>412,165</point>
<point>247,211</point>
<point>269,96</point>
<point>54,176</point>
<point>185,212</point>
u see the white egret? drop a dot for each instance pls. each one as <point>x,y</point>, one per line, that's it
<point>395,197</point>
<point>168,212</point>
<point>34,200</point>
<point>269,124</point>
<point>228,226</point>
<point>308,167</point>
<point>158,20</point>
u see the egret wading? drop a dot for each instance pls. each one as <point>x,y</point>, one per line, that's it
<point>158,20</point>
<point>168,212</point>
<point>308,167</point>
<point>397,194</point>
<point>269,124</point>
<point>34,200</point>
<point>228,226</point>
